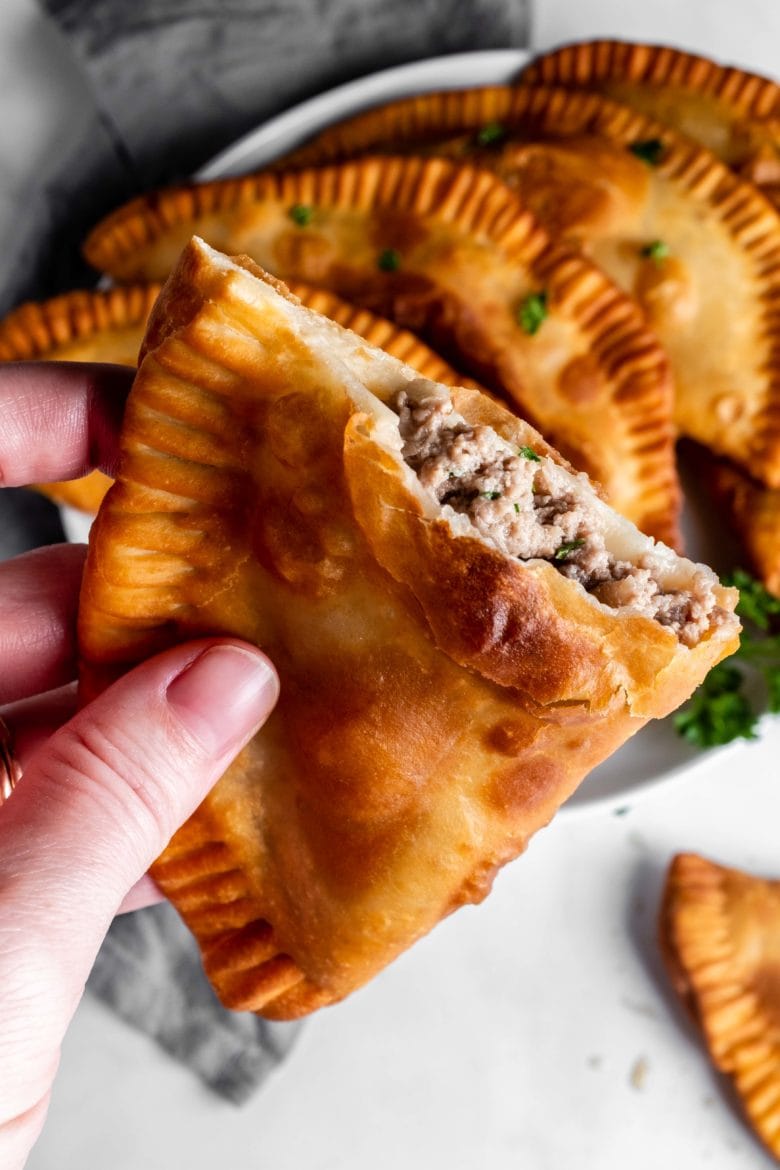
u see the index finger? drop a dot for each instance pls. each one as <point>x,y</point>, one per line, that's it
<point>59,420</point>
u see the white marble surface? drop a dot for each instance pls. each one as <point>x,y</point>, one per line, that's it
<point>534,1031</point>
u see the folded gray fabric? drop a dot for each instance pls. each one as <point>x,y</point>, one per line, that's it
<point>174,81</point>
<point>148,972</point>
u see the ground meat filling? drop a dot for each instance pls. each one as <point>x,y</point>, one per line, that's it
<point>529,508</point>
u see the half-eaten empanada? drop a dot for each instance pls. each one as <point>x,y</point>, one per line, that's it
<point>669,223</point>
<point>733,113</point>
<point>720,937</point>
<point>79,326</point>
<point>462,628</point>
<point>451,254</point>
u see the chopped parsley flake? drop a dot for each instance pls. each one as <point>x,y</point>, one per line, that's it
<point>517,509</point>
<point>755,604</point>
<point>656,250</point>
<point>532,312</point>
<point>389,260</point>
<point>569,546</point>
<point>529,453</point>
<point>491,134</point>
<point>721,709</point>
<point>491,495</point>
<point>301,214</point>
<point>650,150</point>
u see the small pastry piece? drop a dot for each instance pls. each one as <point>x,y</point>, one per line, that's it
<point>720,938</point>
<point>669,223</point>
<point>451,254</point>
<point>79,326</point>
<point>462,627</point>
<point>731,112</point>
<point>754,513</point>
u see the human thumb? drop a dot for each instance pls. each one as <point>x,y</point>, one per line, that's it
<point>96,805</point>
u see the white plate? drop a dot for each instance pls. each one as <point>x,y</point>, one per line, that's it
<point>656,753</point>
<point>291,129</point>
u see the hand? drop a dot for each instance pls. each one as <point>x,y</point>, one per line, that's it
<point>103,789</point>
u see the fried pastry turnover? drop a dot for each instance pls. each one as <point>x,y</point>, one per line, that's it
<point>696,246</point>
<point>82,326</point>
<point>451,254</point>
<point>733,113</point>
<point>720,938</point>
<point>462,627</point>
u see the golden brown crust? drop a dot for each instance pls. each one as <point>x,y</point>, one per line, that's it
<point>720,938</point>
<point>565,152</point>
<point>730,111</point>
<point>408,758</point>
<point>470,256</point>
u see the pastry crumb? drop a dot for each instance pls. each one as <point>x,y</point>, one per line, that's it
<point>638,1075</point>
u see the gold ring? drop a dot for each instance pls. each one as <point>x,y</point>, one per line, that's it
<point>10,769</point>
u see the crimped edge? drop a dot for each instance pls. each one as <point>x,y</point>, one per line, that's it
<point>587,62</point>
<point>478,203</point>
<point>706,974</point>
<point>473,200</point>
<point>202,877</point>
<point>37,330</point>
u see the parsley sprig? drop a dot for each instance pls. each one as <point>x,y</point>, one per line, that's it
<point>721,710</point>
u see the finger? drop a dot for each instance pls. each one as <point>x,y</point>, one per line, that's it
<point>97,804</point>
<point>144,893</point>
<point>59,419</point>
<point>39,594</point>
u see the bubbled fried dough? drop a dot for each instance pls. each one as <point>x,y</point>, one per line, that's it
<point>664,218</point>
<point>439,699</point>
<point>450,253</point>
<point>720,937</point>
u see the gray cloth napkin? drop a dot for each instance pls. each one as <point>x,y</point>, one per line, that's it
<point>173,82</point>
<point>148,971</point>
